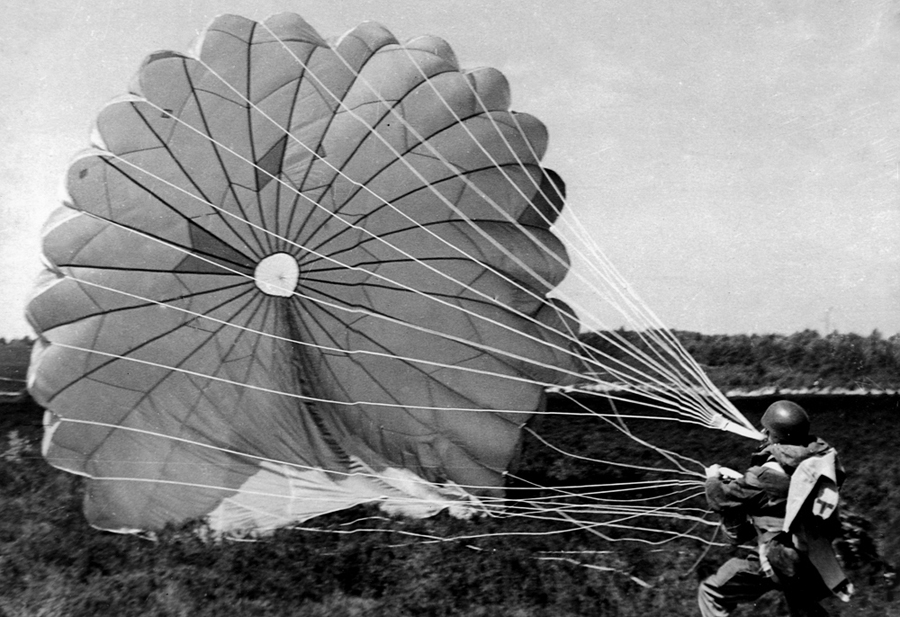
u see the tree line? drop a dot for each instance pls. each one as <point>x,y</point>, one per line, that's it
<point>801,360</point>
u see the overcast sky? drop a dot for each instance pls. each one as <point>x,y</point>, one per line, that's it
<point>738,162</point>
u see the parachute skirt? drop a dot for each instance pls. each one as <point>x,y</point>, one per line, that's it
<point>292,277</point>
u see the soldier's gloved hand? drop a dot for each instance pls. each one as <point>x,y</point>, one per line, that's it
<point>717,471</point>
<point>713,471</point>
<point>730,474</point>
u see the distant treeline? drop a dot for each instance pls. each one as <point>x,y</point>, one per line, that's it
<point>14,355</point>
<point>801,360</point>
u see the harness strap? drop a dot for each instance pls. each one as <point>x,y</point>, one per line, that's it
<point>767,527</point>
<point>768,523</point>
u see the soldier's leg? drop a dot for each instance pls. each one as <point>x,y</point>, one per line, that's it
<point>737,581</point>
<point>804,591</point>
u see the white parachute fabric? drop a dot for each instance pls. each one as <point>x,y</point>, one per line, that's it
<point>295,276</point>
<point>266,282</point>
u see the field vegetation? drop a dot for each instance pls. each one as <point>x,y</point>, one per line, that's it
<point>53,563</point>
<point>801,360</point>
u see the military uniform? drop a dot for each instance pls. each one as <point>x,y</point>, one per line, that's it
<point>772,506</point>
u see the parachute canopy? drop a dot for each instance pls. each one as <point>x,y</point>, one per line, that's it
<point>294,276</point>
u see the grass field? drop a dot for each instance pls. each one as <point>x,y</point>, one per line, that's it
<point>52,563</point>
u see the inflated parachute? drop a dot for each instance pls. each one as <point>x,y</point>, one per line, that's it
<point>294,276</point>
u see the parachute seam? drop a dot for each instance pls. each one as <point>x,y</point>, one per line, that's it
<point>266,241</point>
<point>371,312</point>
<point>201,394</point>
<point>145,302</point>
<point>163,145</point>
<point>539,324</point>
<point>388,287</point>
<point>216,145</point>
<point>401,406</point>
<point>441,158</point>
<point>422,140</point>
<point>193,196</point>
<point>511,355</point>
<point>337,103</point>
<point>193,87</point>
<point>189,250</point>
<point>298,191</point>
<point>330,350</point>
<point>135,231</point>
<point>512,115</point>
<point>367,133</point>
<point>675,376</point>
<point>424,187</point>
<point>134,349</point>
<point>146,394</point>
<point>288,131</point>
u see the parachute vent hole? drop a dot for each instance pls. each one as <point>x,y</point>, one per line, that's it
<point>277,275</point>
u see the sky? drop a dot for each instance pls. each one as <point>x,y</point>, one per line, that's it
<point>739,163</point>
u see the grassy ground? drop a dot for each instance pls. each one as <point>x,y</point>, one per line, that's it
<point>52,563</point>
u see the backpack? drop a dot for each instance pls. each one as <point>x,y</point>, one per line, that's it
<point>812,518</point>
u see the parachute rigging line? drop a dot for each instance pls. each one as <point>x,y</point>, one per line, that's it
<point>250,103</point>
<point>499,210</point>
<point>679,350</point>
<point>675,409</point>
